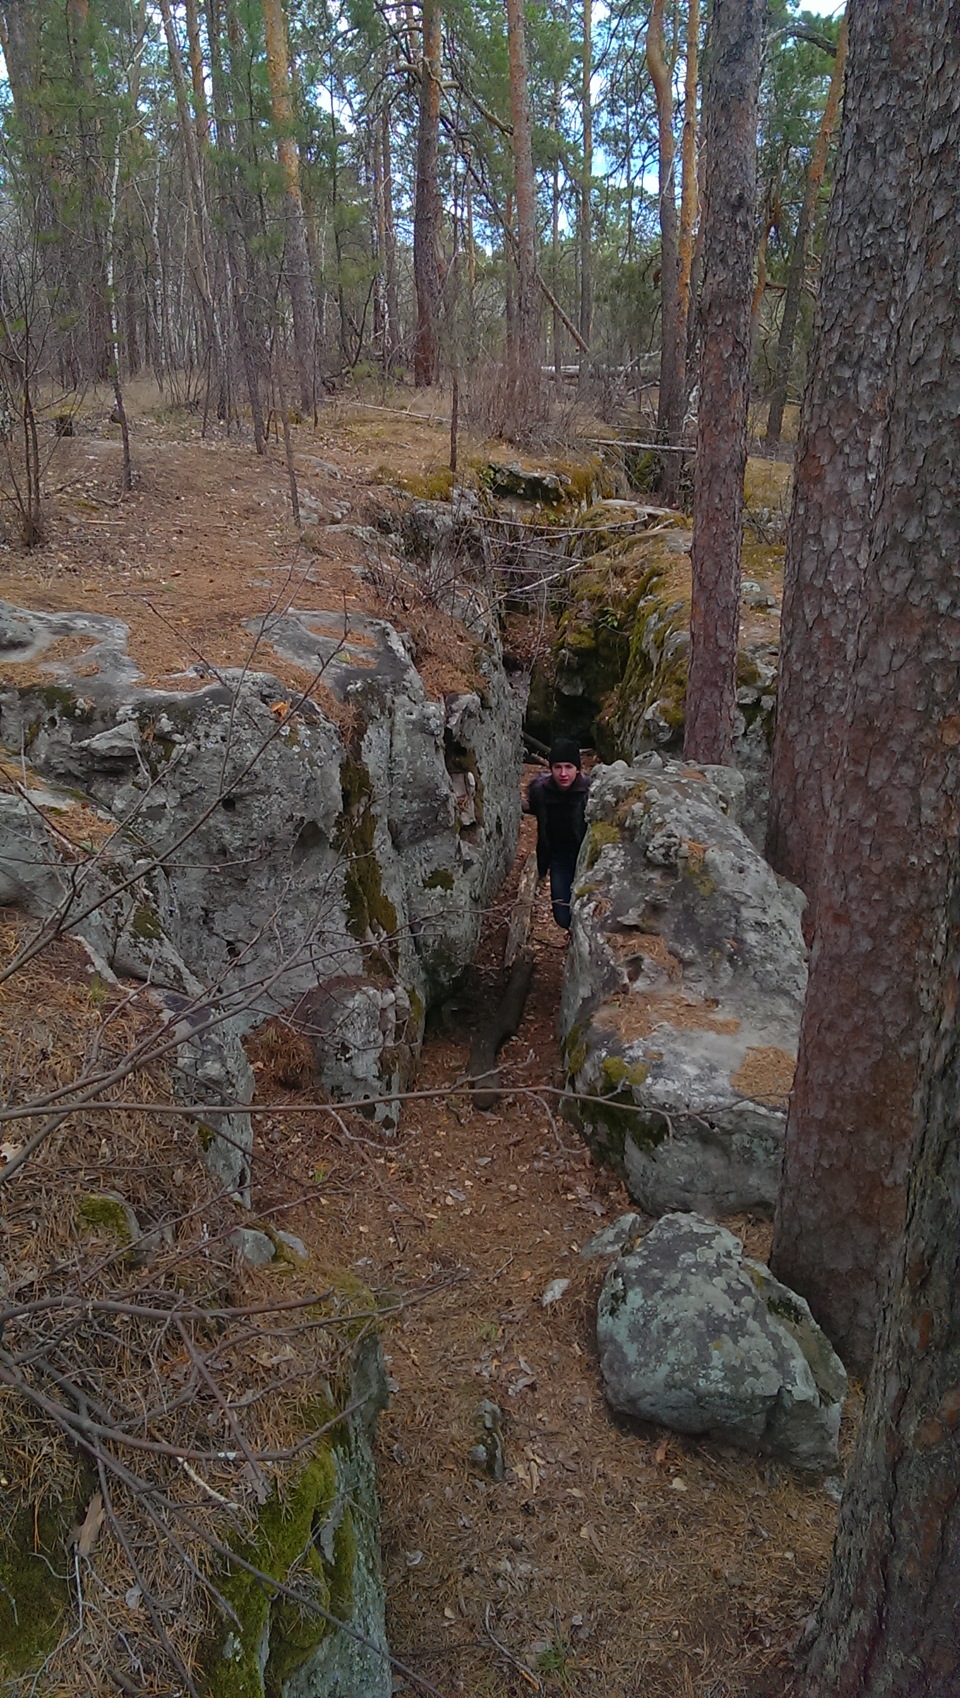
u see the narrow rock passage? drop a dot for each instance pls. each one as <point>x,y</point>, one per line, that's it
<point>608,1563</point>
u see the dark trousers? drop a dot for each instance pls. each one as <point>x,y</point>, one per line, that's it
<point>562,866</point>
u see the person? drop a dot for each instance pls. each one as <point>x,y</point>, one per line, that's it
<point>558,800</point>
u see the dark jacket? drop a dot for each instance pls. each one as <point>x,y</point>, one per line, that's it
<point>560,816</point>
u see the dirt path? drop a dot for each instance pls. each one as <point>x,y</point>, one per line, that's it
<point>609,1562</point>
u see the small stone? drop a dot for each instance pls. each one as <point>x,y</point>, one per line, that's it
<point>255,1247</point>
<point>295,1245</point>
<point>610,1240</point>
<point>554,1292</point>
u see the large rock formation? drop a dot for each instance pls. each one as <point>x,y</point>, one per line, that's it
<point>344,832</point>
<point>699,1337</point>
<point>683,987</point>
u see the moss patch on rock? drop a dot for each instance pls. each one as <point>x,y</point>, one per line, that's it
<point>107,1214</point>
<point>600,836</point>
<point>34,1593</point>
<point>370,911</point>
<point>298,1544</point>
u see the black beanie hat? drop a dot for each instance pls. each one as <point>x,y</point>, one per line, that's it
<point>565,751</point>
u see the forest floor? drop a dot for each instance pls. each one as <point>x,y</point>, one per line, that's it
<point>610,1562</point>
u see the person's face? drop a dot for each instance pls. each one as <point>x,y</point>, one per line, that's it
<point>564,773</point>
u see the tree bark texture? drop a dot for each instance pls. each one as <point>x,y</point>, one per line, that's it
<point>299,277</point>
<point>895,801</point>
<point>426,215</point>
<point>798,258</point>
<point>842,429</point>
<point>585,222</point>
<point>232,195</point>
<point>730,130</point>
<point>526,373</point>
<point>688,190</point>
<point>669,401</point>
<point>889,1620</point>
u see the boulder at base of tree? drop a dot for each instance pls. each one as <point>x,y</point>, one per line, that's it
<point>683,988</point>
<point>695,1335</point>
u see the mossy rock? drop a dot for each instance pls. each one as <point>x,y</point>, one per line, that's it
<point>441,879</point>
<point>293,1544</point>
<point>370,912</point>
<point>34,1593</point>
<point>108,1216</point>
<point>600,836</point>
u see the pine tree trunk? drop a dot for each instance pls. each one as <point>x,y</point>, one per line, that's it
<point>686,234</point>
<point>798,258</point>
<point>670,401</point>
<point>239,266</point>
<point>297,258</point>
<point>426,216</point>
<point>891,814</point>
<point>585,229</point>
<point>526,370</point>
<point>840,447</point>
<point>390,240</point>
<point>889,1621</point>
<point>730,125</point>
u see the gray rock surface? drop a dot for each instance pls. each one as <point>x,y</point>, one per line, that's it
<point>683,987</point>
<point>695,1335</point>
<point>120,904</point>
<point>620,1235</point>
<point>272,854</point>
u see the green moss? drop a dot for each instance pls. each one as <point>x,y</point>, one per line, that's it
<point>696,870</point>
<point>429,486</point>
<point>442,879</point>
<point>611,1120</point>
<point>575,1049</point>
<point>614,1072</point>
<point>599,837</point>
<point>369,909</point>
<point>100,1212</point>
<point>145,923</point>
<point>785,1308</point>
<point>205,1135</point>
<point>60,700</point>
<point>294,1543</point>
<point>636,794</point>
<point>417,1010</point>
<point>34,1594</point>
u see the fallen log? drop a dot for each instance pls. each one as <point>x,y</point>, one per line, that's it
<point>482,1071</point>
<point>522,912</point>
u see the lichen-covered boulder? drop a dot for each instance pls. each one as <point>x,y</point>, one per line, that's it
<point>698,1337</point>
<point>682,993</point>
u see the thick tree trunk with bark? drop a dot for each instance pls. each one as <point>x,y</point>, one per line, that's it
<point>730,126</point>
<point>894,802</point>
<point>798,258</point>
<point>426,214</point>
<point>889,1621</point>
<point>842,432</point>
<point>526,373</point>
